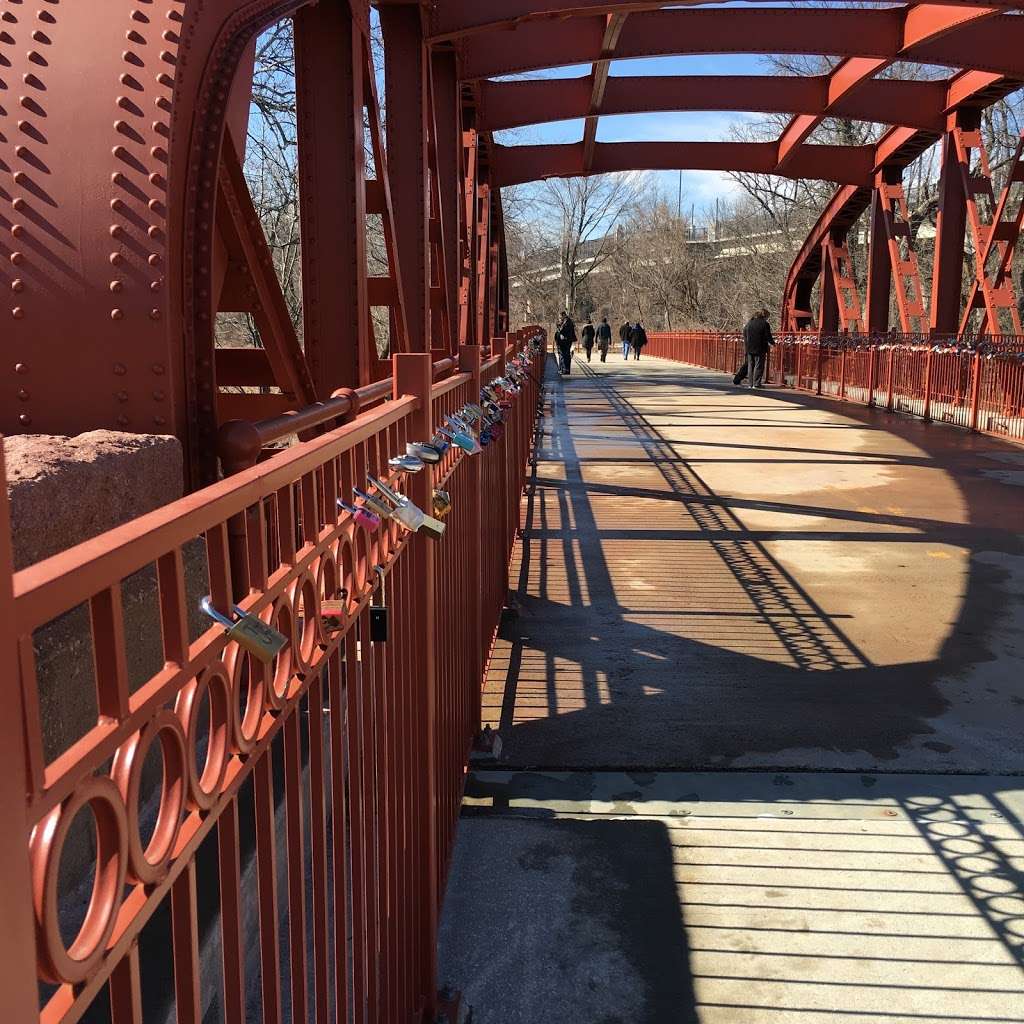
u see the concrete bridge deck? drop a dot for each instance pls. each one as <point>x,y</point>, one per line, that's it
<point>762,713</point>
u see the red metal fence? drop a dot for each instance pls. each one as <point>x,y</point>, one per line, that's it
<point>302,813</point>
<point>974,384</point>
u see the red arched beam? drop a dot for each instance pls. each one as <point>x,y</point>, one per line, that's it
<point>895,150</point>
<point>886,101</point>
<point>452,19</point>
<point>514,165</point>
<point>993,44</point>
<point>922,24</point>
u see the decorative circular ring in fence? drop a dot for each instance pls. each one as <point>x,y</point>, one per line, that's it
<point>327,572</point>
<point>74,963</point>
<point>147,865</point>
<point>282,670</point>
<point>304,596</point>
<point>352,563</point>
<point>213,689</point>
<point>248,674</point>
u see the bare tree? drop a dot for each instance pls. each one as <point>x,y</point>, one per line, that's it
<point>585,213</point>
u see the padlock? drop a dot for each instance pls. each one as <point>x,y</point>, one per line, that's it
<point>248,631</point>
<point>466,442</point>
<point>441,502</point>
<point>378,612</point>
<point>406,463</point>
<point>362,517</point>
<point>405,512</point>
<point>373,503</point>
<point>405,509</point>
<point>439,442</point>
<point>424,452</point>
<point>332,614</point>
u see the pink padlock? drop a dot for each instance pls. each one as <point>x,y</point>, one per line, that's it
<point>363,517</point>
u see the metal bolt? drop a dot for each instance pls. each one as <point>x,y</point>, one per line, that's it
<point>116,314</point>
<point>16,258</point>
<point>17,312</point>
<point>116,286</point>
<point>154,314</point>
<point>158,395</point>
<point>122,396</point>
<point>120,369</point>
<point>24,419</point>
<point>23,395</point>
<point>122,421</point>
<point>159,420</point>
<point>17,285</point>
<point>158,369</point>
<point>21,367</point>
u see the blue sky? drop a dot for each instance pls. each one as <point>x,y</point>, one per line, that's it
<point>700,188</point>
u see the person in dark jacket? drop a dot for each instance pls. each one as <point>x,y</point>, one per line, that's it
<point>637,339</point>
<point>757,342</point>
<point>624,338</point>
<point>604,338</point>
<point>588,337</point>
<point>565,338</point>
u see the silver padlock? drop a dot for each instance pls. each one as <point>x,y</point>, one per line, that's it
<point>433,528</point>
<point>248,631</point>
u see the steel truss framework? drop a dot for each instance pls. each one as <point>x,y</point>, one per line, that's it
<point>129,226</point>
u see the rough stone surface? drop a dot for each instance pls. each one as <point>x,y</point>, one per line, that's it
<point>65,490</point>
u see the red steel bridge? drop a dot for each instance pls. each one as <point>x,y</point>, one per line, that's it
<point>128,227</point>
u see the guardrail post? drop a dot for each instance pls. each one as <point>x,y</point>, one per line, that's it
<point>926,412</point>
<point>469,492</point>
<point>817,390</point>
<point>414,376</point>
<point>872,374</point>
<point>17,937</point>
<point>975,389</point>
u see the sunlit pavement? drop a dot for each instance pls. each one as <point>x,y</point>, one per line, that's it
<point>725,596</point>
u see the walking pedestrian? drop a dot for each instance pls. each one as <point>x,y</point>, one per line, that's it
<point>624,338</point>
<point>637,339</point>
<point>565,338</point>
<point>588,337</point>
<point>604,338</point>
<point>757,342</point>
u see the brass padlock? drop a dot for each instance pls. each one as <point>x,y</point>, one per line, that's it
<point>441,503</point>
<point>249,631</point>
<point>332,613</point>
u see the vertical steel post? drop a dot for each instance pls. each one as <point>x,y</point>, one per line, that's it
<point>329,72</point>
<point>948,269</point>
<point>926,413</point>
<point>828,314</point>
<point>879,269</point>
<point>407,96</point>
<point>414,376</point>
<point>448,144</point>
<point>470,359</point>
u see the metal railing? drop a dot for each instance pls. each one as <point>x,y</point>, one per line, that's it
<point>289,822</point>
<point>974,383</point>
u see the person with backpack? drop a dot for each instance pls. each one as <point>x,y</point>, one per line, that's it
<point>604,338</point>
<point>565,338</point>
<point>624,338</point>
<point>588,337</point>
<point>637,338</point>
